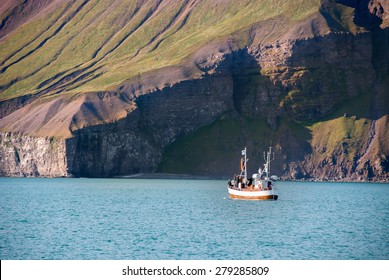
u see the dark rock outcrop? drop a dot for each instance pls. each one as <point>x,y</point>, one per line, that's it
<point>135,144</point>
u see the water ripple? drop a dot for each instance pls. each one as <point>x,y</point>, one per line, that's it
<point>189,219</point>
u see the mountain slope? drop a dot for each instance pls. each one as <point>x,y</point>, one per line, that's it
<point>103,38</point>
<point>163,73</point>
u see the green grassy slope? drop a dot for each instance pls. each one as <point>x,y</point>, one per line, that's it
<point>96,45</point>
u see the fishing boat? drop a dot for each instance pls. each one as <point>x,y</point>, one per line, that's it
<point>259,187</point>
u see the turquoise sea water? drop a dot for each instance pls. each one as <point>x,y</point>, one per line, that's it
<point>189,219</point>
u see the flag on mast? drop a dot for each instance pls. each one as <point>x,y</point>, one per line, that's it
<point>243,152</point>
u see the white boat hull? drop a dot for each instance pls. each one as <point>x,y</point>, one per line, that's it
<point>252,194</point>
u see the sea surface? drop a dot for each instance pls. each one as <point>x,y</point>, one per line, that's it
<point>189,219</point>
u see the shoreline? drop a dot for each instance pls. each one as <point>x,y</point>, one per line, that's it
<point>203,177</point>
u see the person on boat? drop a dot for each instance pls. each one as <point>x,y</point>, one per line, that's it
<point>242,165</point>
<point>235,183</point>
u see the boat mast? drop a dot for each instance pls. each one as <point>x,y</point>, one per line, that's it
<point>245,164</point>
<point>268,161</point>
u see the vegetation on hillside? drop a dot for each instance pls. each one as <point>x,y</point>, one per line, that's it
<point>95,45</point>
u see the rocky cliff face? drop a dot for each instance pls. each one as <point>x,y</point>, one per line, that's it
<point>316,89</point>
<point>304,84</point>
<point>135,144</point>
<point>32,156</point>
<point>333,111</point>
